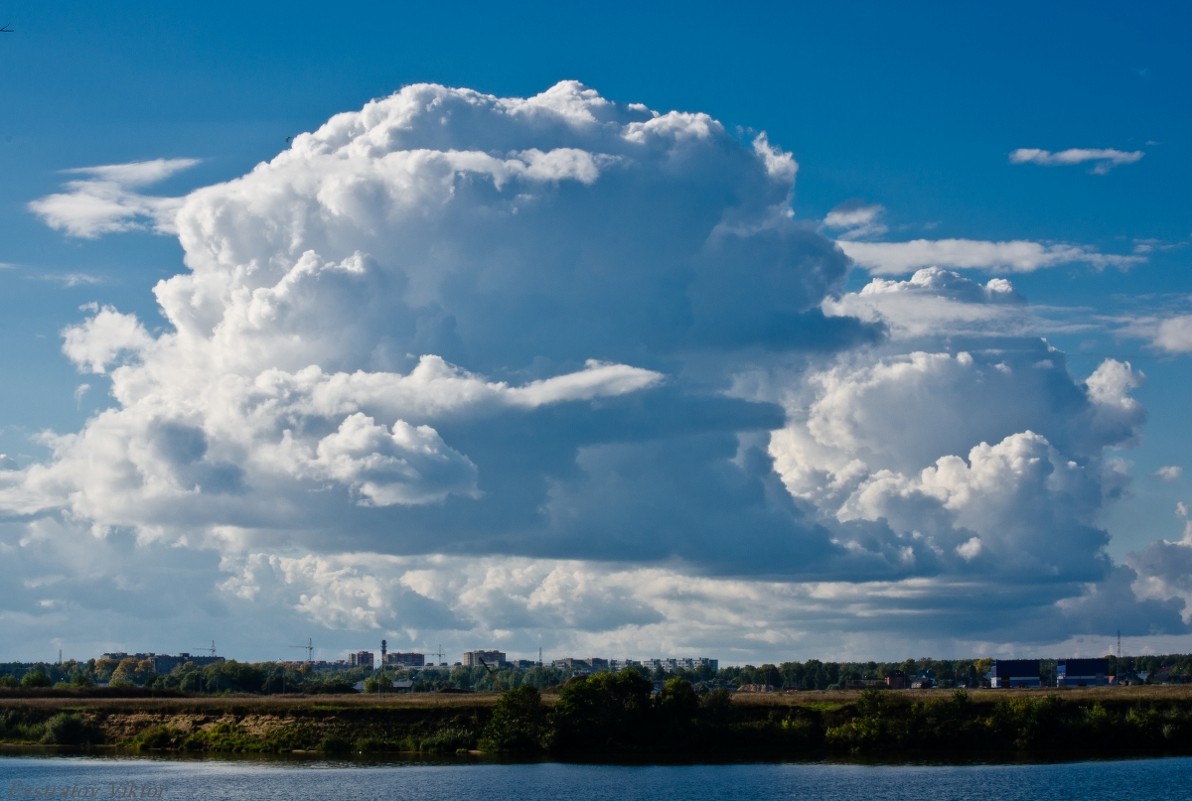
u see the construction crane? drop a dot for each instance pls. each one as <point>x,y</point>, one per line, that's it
<point>438,653</point>
<point>492,673</point>
<point>309,648</point>
<point>205,648</point>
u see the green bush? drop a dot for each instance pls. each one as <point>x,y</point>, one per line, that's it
<point>223,737</point>
<point>369,745</point>
<point>67,728</point>
<point>335,744</point>
<point>37,678</point>
<point>518,724</point>
<point>447,741</point>
<point>157,738</point>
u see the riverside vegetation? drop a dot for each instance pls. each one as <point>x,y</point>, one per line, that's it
<point>619,716</point>
<point>267,678</point>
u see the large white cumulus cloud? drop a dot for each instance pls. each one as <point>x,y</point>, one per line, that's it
<point>987,463</point>
<point>431,322</point>
<point>496,232</point>
<point>966,453</point>
<point>561,369</point>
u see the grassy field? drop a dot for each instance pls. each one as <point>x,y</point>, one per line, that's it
<point>813,699</point>
<point>277,704</point>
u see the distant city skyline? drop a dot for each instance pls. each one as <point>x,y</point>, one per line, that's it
<point>366,658</point>
<point>775,333</point>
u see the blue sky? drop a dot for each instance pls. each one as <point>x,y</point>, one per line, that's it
<point>612,392</point>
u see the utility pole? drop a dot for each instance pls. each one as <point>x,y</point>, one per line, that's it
<point>381,677</point>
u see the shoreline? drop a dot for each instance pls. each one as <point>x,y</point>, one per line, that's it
<point>413,759</point>
<point>880,727</point>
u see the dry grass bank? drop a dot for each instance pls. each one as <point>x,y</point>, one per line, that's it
<point>248,704</point>
<point>1141,692</point>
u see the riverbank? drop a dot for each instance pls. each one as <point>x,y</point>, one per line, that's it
<point>429,723</point>
<point>1036,724</point>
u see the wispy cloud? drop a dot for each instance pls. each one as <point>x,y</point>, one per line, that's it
<point>1015,256</point>
<point>106,201</point>
<point>1163,320</point>
<point>80,392</point>
<point>72,279</point>
<point>856,220</point>
<point>67,279</point>
<point>1102,159</point>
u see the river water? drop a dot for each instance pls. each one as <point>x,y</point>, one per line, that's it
<point>24,777</point>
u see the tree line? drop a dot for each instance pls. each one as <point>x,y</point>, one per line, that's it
<point>274,677</point>
<point>618,715</point>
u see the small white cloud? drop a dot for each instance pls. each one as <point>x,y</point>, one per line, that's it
<point>946,283</point>
<point>1102,159</point>
<point>1174,334</point>
<point>970,549</point>
<point>596,380</point>
<point>934,301</point>
<point>1169,472</point>
<point>1015,256</point>
<point>105,202</point>
<point>94,344</point>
